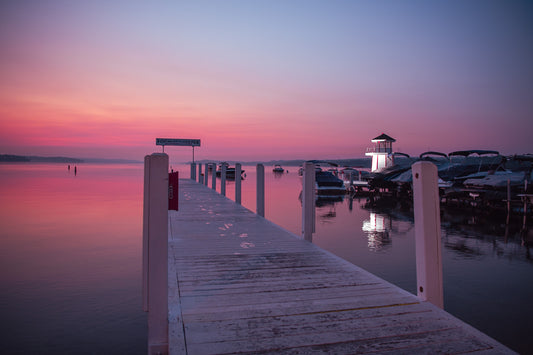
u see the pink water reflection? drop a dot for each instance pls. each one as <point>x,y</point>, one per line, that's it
<point>70,249</point>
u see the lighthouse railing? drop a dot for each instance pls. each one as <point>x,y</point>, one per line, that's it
<point>379,150</point>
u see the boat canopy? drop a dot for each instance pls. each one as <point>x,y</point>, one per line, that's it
<point>466,153</point>
<point>322,162</point>
<point>401,154</point>
<point>433,153</point>
<point>522,157</point>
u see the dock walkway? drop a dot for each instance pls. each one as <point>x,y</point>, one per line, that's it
<point>241,284</point>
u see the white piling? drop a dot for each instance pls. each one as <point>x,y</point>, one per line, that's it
<point>146,214</point>
<point>155,256</point>
<point>193,171</point>
<point>206,174</point>
<point>427,233</point>
<point>200,176</point>
<point>214,177</point>
<point>223,180</point>
<point>524,223</point>
<point>508,200</point>
<point>308,201</point>
<point>260,190</point>
<point>238,183</point>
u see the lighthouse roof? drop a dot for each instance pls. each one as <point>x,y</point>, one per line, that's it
<point>383,138</point>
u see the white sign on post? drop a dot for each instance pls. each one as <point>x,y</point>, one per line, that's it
<point>178,142</point>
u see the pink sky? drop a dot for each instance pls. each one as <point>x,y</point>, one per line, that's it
<point>261,80</point>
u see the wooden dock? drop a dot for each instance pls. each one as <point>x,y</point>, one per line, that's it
<point>240,284</point>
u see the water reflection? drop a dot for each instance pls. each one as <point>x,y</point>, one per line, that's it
<point>467,233</point>
<point>377,229</point>
<point>327,209</point>
<point>471,236</point>
<point>323,201</point>
<point>70,253</point>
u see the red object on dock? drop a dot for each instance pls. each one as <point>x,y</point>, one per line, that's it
<point>173,182</point>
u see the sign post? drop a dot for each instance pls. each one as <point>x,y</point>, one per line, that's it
<point>178,142</point>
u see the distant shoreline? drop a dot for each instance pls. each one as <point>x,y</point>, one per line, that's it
<point>359,162</point>
<point>10,158</point>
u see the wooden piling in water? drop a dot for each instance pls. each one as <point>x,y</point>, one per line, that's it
<point>308,201</point>
<point>200,176</point>
<point>238,183</point>
<point>260,190</point>
<point>214,177</point>
<point>427,233</point>
<point>155,251</point>
<point>223,179</point>
<point>193,171</point>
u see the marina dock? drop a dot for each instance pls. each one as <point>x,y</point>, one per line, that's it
<point>238,283</point>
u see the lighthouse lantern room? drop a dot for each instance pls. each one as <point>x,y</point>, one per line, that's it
<point>381,152</point>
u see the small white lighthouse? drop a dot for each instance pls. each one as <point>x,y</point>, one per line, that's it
<point>381,152</point>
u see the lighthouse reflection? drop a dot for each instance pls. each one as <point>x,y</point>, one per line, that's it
<point>377,229</point>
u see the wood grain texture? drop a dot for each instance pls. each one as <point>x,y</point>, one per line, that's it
<point>241,284</point>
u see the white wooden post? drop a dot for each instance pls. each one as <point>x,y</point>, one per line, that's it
<point>524,223</point>
<point>146,214</point>
<point>223,180</point>
<point>238,183</point>
<point>427,233</point>
<point>260,190</point>
<point>193,171</point>
<point>206,174</point>
<point>308,201</point>
<point>214,177</point>
<point>155,257</point>
<point>508,200</point>
<point>200,177</point>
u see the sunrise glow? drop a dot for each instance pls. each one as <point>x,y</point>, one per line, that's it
<point>264,79</point>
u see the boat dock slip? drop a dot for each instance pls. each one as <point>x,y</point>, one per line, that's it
<point>240,284</point>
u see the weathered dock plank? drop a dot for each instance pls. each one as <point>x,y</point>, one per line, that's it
<point>241,284</point>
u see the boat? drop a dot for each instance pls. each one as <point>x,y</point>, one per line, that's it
<point>498,180</point>
<point>230,171</point>
<point>278,169</point>
<point>354,179</point>
<point>326,183</point>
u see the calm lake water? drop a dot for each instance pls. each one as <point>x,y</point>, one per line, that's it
<point>71,256</point>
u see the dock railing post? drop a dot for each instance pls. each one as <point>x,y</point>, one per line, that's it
<point>508,201</point>
<point>308,201</point>
<point>146,214</point>
<point>238,183</point>
<point>427,233</point>
<point>260,190</point>
<point>155,251</point>
<point>214,177</point>
<point>193,171</point>
<point>223,180</point>
<point>200,176</point>
<point>206,174</point>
